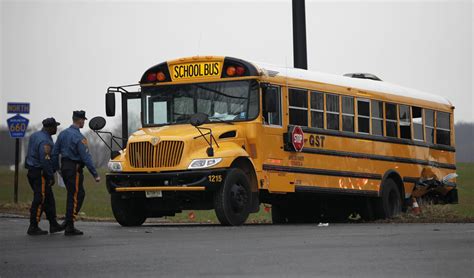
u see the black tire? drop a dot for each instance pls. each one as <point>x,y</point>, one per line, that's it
<point>232,202</point>
<point>366,209</point>
<point>389,204</point>
<point>128,212</point>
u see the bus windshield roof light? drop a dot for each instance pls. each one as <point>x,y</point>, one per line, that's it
<point>230,71</point>
<point>240,71</point>
<point>160,76</point>
<point>151,77</point>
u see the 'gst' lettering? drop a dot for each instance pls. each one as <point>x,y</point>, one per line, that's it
<point>317,140</point>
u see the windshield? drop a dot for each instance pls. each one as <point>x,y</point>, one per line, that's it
<point>221,101</point>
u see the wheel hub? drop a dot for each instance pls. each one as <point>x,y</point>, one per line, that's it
<point>238,198</point>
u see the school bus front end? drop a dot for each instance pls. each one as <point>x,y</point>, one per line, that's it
<point>170,165</point>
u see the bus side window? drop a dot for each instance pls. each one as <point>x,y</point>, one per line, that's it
<point>317,109</point>
<point>363,115</point>
<point>298,106</point>
<point>405,122</point>
<point>332,111</point>
<point>417,119</point>
<point>377,117</point>
<point>443,132</point>
<point>347,113</point>
<point>391,119</point>
<point>429,125</point>
<point>272,105</point>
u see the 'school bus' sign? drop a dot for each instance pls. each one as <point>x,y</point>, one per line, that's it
<point>196,70</point>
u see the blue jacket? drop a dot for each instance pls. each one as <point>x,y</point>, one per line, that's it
<point>40,147</point>
<point>71,144</point>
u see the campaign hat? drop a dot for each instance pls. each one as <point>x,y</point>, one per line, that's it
<point>50,122</point>
<point>81,114</point>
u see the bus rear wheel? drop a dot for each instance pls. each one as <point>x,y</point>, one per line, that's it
<point>389,204</point>
<point>128,212</point>
<point>232,202</point>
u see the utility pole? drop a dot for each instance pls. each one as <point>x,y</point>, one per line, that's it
<point>299,35</point>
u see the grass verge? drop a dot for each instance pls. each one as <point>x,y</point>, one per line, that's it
<point>97,202</point>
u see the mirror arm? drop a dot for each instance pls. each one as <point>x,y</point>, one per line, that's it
<point>119,138</point>
<point>210,150</point>
<point>202,135</point>
<point>112,138</point>
<point>109,147</point>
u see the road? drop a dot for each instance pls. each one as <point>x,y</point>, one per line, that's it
<point>153,250</point>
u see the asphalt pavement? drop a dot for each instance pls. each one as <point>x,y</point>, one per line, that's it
<point>164,250</point>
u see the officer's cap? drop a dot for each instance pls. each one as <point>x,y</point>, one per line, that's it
<point>50,122</point>
<point>81,114</point>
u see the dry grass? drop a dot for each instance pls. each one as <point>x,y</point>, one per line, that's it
<point>432,214</point>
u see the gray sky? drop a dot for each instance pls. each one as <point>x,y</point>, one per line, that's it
<point>62,56</point>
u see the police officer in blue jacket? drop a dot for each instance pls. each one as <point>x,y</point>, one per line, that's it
<point>72,147</point>
<point>41,178</point>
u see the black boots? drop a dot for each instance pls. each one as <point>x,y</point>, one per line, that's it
<point>71,231</point>
<point>34,230</point>
<point>55,227</point>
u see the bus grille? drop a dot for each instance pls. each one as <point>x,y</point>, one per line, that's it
<point>164,154</point>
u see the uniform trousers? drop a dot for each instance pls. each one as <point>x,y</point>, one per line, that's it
<point>72,173</point>
<point>43,197</point>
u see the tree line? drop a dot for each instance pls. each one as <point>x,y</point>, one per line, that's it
<point>101,154</point>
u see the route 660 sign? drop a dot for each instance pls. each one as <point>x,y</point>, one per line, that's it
<point>17,126</point>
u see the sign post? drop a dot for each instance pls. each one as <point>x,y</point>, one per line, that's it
<point>17,126</point>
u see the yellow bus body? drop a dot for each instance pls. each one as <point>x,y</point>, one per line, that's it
<point>331,162</point>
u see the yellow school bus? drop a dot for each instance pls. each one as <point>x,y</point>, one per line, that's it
<point>227,134</point>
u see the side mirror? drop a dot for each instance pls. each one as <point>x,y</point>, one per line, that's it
<point>199,119</point>
<point>110,104</point>
<point>97,123</point>
<point>269,101</point>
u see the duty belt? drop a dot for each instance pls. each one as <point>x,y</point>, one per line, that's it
<point>67,160</point>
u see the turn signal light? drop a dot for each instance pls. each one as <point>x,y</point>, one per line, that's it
<point>231,71</point>
<point>160,76</point>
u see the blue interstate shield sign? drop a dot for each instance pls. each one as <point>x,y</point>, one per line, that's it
<point>17,126</point>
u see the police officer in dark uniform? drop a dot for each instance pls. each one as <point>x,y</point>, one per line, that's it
<point>41,178</point>
<point>72,147</point>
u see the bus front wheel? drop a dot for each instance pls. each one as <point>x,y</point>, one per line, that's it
<point>389,204</point>
<point>232,202</point>
<point>128,212</point>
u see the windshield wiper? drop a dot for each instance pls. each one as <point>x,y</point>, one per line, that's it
<point>219,120</point>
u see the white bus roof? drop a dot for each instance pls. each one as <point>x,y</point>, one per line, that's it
<point>356,83</point>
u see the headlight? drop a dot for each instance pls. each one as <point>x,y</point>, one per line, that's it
<point>204,163</point>
<point>115,166</point>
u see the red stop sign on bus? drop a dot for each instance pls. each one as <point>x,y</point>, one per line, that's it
<point>297,138</point>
